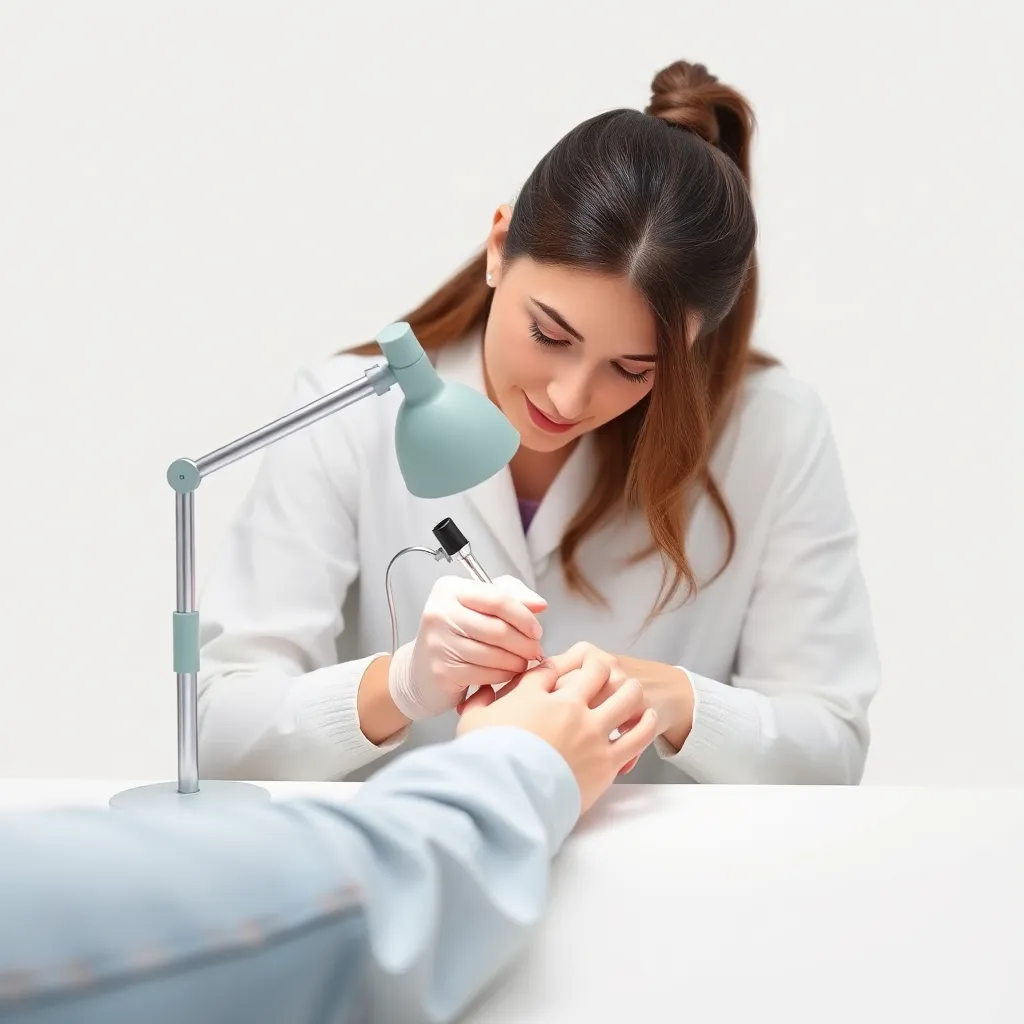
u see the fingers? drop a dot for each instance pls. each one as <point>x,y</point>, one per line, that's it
<point>604,693</point>
<point>542,677</point>
<point>626,726</point>
<point>589,679</point>
<point>488,599</point>
<point>518,589</point>
<point>492,677</point>
<point>538,679</point>
<point>638,739</point>
<point>481,655</point>
<point>621,731</point>
<point>570,659</point>
<point>625,705</point>
<point>484,696</point>
<point>493,631</point>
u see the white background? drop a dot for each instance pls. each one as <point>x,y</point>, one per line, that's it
<point>197,198</point>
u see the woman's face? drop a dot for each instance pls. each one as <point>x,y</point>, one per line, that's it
<point>565,351</point>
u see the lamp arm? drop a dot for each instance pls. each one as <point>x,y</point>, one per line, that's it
<point>184,475</point>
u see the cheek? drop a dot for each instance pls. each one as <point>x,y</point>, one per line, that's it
<point>616,397</point>
<point>524,364</point>
<point>506,351</point>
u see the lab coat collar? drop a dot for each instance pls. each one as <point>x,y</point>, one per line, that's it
<point>495,499</point>
<point>563,500</point>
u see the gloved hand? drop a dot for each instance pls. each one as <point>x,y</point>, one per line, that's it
<point>470,634</point>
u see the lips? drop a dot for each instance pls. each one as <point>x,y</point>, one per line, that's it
<point>545,422</point>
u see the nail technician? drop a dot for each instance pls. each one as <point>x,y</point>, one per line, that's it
<point>677,497</point>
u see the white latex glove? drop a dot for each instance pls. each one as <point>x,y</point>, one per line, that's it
<point>471,634</point>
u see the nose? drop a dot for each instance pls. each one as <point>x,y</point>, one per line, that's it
<point>569,393</point>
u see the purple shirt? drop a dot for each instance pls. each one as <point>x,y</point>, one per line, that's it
<point>527,510</point>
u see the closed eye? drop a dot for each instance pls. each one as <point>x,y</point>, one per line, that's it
<point>637,378</point>
<point>543,339</point>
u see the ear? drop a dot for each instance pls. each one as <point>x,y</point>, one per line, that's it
<point>694,323</point>
<point>496,240</point>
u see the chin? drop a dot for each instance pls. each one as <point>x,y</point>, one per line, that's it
<point>537,440</point>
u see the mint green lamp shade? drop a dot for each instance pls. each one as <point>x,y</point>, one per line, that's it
<point>448,437</point>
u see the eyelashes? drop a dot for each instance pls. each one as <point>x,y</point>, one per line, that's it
<point>636,378</point>
<point>543,339</point>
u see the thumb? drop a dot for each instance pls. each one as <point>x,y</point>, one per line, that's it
<point>518,589</point>
<point>484,696</point>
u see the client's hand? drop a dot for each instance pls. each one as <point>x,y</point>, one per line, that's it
<point>565,718</point>
<point>565,667</point>
<point>470,634</point>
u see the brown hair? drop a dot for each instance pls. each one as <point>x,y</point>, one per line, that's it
<point>661,197</point>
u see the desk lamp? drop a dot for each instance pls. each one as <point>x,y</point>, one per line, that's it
<point>448,438</point>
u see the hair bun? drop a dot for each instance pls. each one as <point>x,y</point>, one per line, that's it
<point>684,94</point>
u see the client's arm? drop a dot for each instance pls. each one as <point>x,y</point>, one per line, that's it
<point>401,905</point>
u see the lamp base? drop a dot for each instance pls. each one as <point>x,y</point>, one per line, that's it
<point>212,793</point>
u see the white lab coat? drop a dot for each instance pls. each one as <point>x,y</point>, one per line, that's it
<point>779,648</point>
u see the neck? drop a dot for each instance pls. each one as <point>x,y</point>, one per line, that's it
<point>534,472</point>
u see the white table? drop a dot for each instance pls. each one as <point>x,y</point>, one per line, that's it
<point>735,904</point>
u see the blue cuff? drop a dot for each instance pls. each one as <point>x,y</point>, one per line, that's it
<point>536,762</point>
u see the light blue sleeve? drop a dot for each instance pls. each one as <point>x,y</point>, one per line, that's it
<point>401,905</point>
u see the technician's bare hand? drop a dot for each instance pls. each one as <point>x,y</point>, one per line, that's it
<point>470,634</point>
<point>559,711</point>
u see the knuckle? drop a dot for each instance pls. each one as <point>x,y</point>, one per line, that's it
<point>546,669</point>
<point>433,613</point>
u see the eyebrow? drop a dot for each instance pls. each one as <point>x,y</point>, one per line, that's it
<point>558,318</point>
<point>569,329</point>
